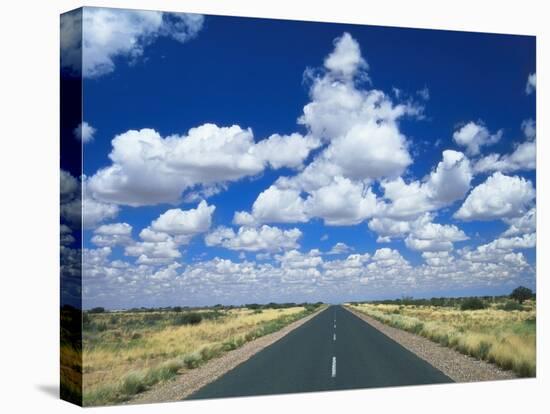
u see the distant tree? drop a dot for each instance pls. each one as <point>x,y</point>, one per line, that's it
<point>99,309</point>
<point>177,309</point>
<point>521,294</point>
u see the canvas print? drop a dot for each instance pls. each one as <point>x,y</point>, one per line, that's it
<point>257,206</point>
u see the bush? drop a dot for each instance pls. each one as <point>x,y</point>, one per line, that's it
<point>192,318</point>
<point>511,306</point>
<point>472,304</point>
<point>99,309</point>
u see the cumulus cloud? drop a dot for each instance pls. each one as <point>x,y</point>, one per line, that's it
<point>522,225</point>
<point>345,60</point>
<point>84,132</point>
<point>499,197</point>
<point>473,136</point>
<point>531,85</point>
<point>154,253</point>
<point>65,235</point>
<point>274,205</point>
<point>339,248</point>
<point>449,182</point>
<point>434,237</point>
<point>113,234</point>
<point>361,140</point>
<point>78,208</point>
<point>264,238</point>
<point>343,202</point>
<point>148,169</point>
<point>523,157</point>
<point>109,34</point>
<point>178,222</point>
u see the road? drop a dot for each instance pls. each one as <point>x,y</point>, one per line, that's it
<point>335,350</point>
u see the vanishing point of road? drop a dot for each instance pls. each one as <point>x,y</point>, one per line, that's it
<point>334,350</point>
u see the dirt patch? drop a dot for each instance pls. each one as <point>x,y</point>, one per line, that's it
<point>457,366</point>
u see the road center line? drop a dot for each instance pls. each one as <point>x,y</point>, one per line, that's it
<point>334,337</point>
<point>333,367</point>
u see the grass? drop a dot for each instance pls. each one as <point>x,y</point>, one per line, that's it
<point>71,355</point>
<point>500,334</point>
<point>125,353</point>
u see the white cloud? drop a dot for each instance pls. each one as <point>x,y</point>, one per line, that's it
<point>274,205</point>
<point>265,238</point>
<point>109,34</point>
<point>95,212</point>
<point>388,228</point>
<point>78,208</point>
<point>438,259</point>
<point>523,157</point>
<point>522,225</point>
<point>177,222</point>
<point>434,237</point>
<point>531,85</point>
<point>339,248</point>
<point>113,234</point>
<point>69,186</point>
<point>154,253</point>
<point>361,142</point>
<point>71,41</point>
<point>475,135</point>
<point>346,59</point>
<point>65,235</point>
<point>148,169</point>
<point>285,151</point>
<point>449,182</point>
<point>296,260</point>
<point>499,197</point>
<point>84,132</point>
<point>343,202</point>
<point>529,129</point>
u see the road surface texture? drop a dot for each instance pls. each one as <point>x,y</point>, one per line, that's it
<point>335,350</point>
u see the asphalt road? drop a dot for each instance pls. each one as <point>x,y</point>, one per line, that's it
<point>333,351</point>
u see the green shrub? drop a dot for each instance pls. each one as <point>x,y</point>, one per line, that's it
<point>191,361</point>
<point>511,306</point>
<point>472,304</point>
<point>191,318</point>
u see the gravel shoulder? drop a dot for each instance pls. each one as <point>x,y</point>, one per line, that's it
<point>458,367</point>
<point>192,380</point>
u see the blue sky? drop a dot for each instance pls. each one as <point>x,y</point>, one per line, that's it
<point>272,160</point>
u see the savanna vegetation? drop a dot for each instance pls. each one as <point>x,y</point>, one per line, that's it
<point>71,354</point>
<point>500,330</point>
<point>124,353</point>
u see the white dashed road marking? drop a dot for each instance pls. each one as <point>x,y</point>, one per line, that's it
<point>333,367</point>
<point>334,337</point>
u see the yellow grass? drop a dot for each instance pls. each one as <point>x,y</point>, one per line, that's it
<point>506,338</point>
<point>128,355</point>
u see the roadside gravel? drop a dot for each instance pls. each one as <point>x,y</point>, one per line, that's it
<point>457,366</point>
<point>192,380</point>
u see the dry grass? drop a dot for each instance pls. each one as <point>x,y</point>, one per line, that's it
<point>506,338</point>
<point>125,353</point>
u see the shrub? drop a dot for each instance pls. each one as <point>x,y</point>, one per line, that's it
<point>192,318</point>
<point>133,384</point>
<point>472,304</point>
<point>192,361</point>
<point>511,306</point>
<point>99,309</point>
